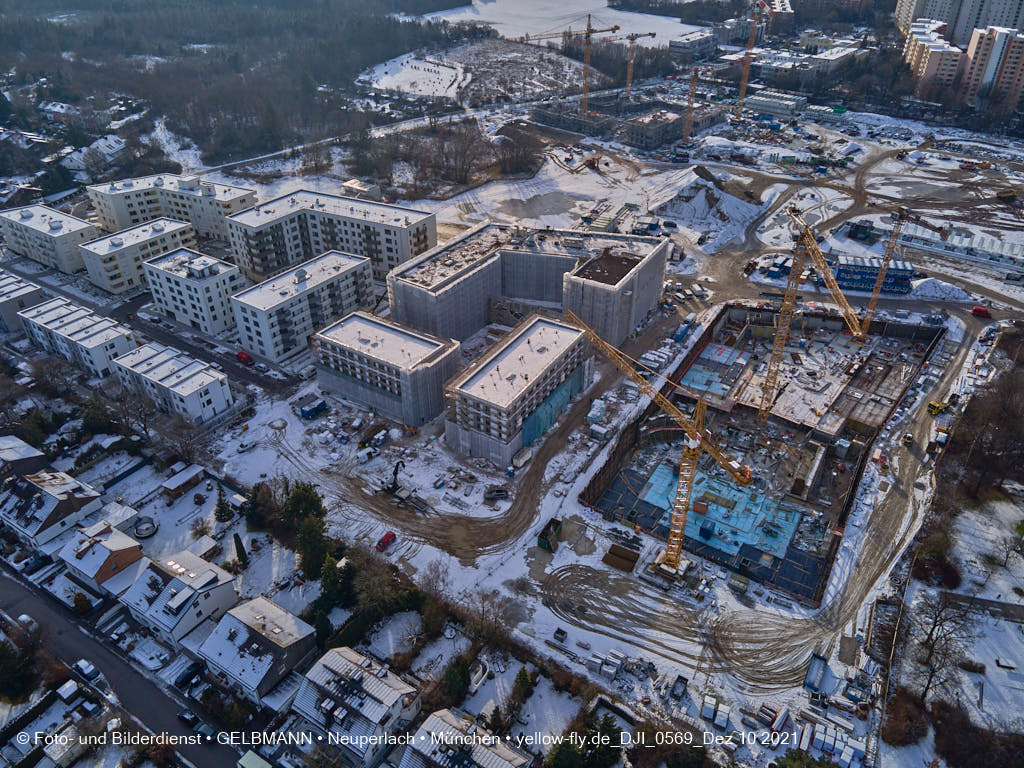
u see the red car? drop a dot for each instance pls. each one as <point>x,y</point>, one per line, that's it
<point>981,312</point>
<point>386,540</point>
<point>244,358</point>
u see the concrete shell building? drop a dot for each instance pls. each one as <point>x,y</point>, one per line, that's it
<point>297,227</point>
<point>449,291</point>
<point>515,391</point>
<point>46,235</point>
<point>204,204</point>
<point>394,370</point>
<point>278,317</point>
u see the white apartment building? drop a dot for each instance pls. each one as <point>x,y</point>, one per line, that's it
<point>194,289</point>
<point>397,371</point>
<point>114,262</point>
<point>279,233</point>
<point>204,204</point>
<point>77,334</point>
<point>277,317</point>
<point>508,398</point>
<point>176,382</point>
<point>46,235</point>
<point>15,295</point>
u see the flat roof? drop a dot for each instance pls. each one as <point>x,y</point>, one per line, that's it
<point>335,205</point>
<point>80,325</point>
<point>299,279</point>
<point>12,286</point>
<point>140,233</point>
<point>525,354</point>
<point>271,621</point>
<point>44,219</point>
<point>190,265</point>
<point>609,268</point>
<point>188,184</point>
<point>445,263</point>
<point>383,340</point>
<point>170,368</point>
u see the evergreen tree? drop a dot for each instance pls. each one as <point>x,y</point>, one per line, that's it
<point>222,512</point>
<point>240,554</point>
<point>494,722</point>
<point>323,628</point>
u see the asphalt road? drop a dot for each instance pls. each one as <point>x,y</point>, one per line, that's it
<point>69,641</point>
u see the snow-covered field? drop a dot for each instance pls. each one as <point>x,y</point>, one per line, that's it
<point>516,18</point>
<point>420,75</point>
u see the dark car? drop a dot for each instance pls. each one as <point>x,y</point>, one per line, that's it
<point>187,674</point>
<point>188,717</point>
<point>205,729</point>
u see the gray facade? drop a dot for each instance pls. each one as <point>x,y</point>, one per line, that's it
<point>394,370</point>
<point>449,290</point>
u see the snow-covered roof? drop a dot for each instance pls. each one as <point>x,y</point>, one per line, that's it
<point>442,265</point>
<point>35,503</point>
<point>13,287</point>
<point>14,448</point>
<point>452,738</point>
<point>335,205</point>
<point>78,324</point>
<point>140,233</point>
<point>249,641</point>
<point>186,264</point>
<point>44,219</point>
<point>350,694</point>
<point>382,340</point>
<point>300,279</point>
<point>93,546</point>
<point>517,360</point>
<point>170,368</point>
<point>164,591</point>
<point>188,184</point>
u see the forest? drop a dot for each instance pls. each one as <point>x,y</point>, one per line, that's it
<point>237,77</point>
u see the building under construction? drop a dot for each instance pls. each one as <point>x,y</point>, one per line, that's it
<point>646,124</point>
<point>785,527</point>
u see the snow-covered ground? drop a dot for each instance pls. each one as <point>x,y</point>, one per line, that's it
<point>516,18</point>
<point>981,536</point>
<point>420,75</point>
<point>438,653</point>
<point>546,714</point>
<point>179,149</point>
<point>396,634</point>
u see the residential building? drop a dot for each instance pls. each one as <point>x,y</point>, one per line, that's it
<point>507,399</point>
<point>97,553</point>
<point>694,46</point>
<point>450,737</point>
<point>357,703</point>
<point>46,235</point>
<point>176,382</point>
<point>780,15</point>
<point>19,458</point>
<point>103,152</point>
<point>451,291</point>
<point>992,69</point>
<point>933,61</point>
<point>396,371</point>
<point>204,204</point>
<point>657,127</point>
<point>361,189</point>
<point>174,595</point>
<point>277,317</point>
<point>114,262</point>
<point>15,295</point>
<point>77,334</point>
<point>194,289</point>
<point>41,506</point>
<point>297,227</point>
<point>255,645</point>
<point>962,17</point>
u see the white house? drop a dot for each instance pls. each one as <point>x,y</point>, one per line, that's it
<point>99,552</point>
<point>174,595</point>
<point>41,506</point>
<point>450,737</point>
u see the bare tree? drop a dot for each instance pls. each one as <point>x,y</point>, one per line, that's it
<point>434,579</point>
<point>185,437</point>
<point>134,411</point>
<point>1007,546</point>
<point>944,629</point>
<point>10,391</point>
<point>94,162</point>
<point>54,374</point>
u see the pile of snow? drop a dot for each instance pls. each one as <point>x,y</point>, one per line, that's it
<point>932,288</point>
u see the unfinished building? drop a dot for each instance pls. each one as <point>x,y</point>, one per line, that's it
<point>784,529</point>
<point>514,393</point>
<point>610,281</point>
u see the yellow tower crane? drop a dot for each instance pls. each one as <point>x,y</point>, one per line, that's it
<point>688,124</point>
<point>698,439</point>
<point>748,58</point>
<point>631,56</point>
<point>586,35</point>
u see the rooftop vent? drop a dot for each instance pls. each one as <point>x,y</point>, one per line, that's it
<point>56,225</point>
<point>158,226</point>
<point>26,213</point>
<point>301,275</point>
<point>116,242</point>
<point>158,182</point>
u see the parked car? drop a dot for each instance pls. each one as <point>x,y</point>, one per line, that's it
<point>187,674</point>
<point>28,623</point>
<point>386,540</point>
<point>244,358</point>
<point>262,367</point>
<point>86,669</point>
<point>188,717</point>
<point>308,372</point>
<point>205,729</point>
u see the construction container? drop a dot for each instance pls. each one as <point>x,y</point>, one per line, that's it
<point>548,537</point>
<point>708,708</point>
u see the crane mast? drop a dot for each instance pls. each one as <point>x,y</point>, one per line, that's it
<point>748,58</point>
